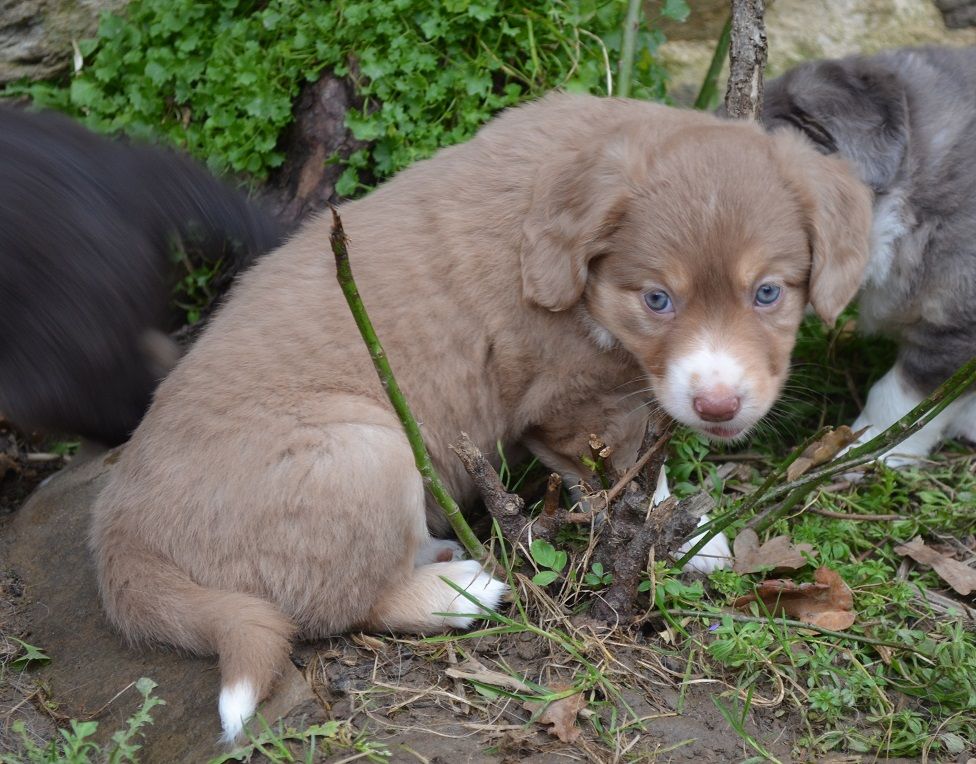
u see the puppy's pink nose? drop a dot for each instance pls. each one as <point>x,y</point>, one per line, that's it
<point>719,404</point>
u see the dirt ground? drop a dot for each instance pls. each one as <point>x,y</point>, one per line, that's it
<point>393,691</point>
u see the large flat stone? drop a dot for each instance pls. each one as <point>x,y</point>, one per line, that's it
<point>90,667</point>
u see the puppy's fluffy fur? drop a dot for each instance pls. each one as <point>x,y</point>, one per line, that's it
<point>906,121</point>
<point>86,226</point>
<point>270,491</point>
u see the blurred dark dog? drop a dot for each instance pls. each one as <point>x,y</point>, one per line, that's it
<point>87,225</point>
<point>906,121</point>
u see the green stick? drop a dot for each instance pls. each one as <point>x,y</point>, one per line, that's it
<point>420,454</point>
<point>708,96</point>
<point>627,48</point>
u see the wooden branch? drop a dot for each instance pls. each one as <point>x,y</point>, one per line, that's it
<point>747,59</point>
<point>508,509</point>
<point>633,528</point>
<point>420,454</point>
<point>551,503</point>
<point>665,527</point>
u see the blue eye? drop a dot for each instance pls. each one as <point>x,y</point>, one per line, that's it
<point>658,301</point>
<point>767,294</point>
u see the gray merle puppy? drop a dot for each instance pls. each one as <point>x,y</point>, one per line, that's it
<point>906,121</point>
<point>86,228</point>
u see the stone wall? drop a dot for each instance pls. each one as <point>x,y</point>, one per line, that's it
<point>36,35</point>
<point>799,30</point>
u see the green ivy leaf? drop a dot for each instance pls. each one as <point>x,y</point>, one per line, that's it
<point>677,10</point>
<point>544,578</point>
<point>543,553</point>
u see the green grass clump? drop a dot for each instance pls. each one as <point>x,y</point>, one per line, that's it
<point>219,79</point>
<point>74,745</point>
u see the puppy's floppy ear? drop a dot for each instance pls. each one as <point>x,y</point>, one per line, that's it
<point>578,200</point>
<point>837,211</point>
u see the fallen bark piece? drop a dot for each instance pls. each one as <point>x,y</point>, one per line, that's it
<point>822,451</point>
<point>957,574</point>
<point>777,554</point>
<point>560,714</point>
<point>827,603</point>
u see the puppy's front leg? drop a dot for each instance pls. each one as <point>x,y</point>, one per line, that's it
<point>891,398</point>
<point>715,555</point>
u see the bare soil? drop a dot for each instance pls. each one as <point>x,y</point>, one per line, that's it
<point>394,690</point>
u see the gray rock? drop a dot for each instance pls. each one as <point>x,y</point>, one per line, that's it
<point>799,30</point>
<point>36,35</point>
<point>90,668</point>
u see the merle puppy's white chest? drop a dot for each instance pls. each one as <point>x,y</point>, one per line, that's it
<point>887,298</point>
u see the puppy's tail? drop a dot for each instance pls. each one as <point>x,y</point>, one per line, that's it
<point>151,600</point>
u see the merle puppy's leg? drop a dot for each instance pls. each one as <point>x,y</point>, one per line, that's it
<point>921,367</point>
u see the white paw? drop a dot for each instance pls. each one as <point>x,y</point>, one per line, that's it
<point>486,589</point>
<point>236,705</point>
<point>715,555</point>
<point>438,550</point>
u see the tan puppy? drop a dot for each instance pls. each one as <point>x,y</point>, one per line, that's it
<point>527,285</point>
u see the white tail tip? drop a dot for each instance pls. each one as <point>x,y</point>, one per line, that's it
<point>237,704</point>
<point>488,591</point>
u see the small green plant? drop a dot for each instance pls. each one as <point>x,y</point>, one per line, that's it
<point>332,737</point>
<point>65,447</point>
<point>74,745</point>
<point>688,470</point>
<point>551,560</point>
<point>29,656</point>
<point>193,291</point>
<point>596,577</point>
<point>737,721</point>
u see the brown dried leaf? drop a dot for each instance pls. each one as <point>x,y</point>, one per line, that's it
<point>368,642</point>
<point>776,554</point>
<point>957,574</point>
<point>822,451</point>
<point>561,714</point>
<point>473,671</point>
<point>828,603</point>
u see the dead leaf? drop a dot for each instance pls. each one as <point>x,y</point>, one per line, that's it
<point>474,671</point>
<point>368,642</point>
<point>822,451</point>
<point>828,603</point>
<point>885,653</point>
<point>776,554</point>
<point>957,574</point>
<point>561,714</point>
